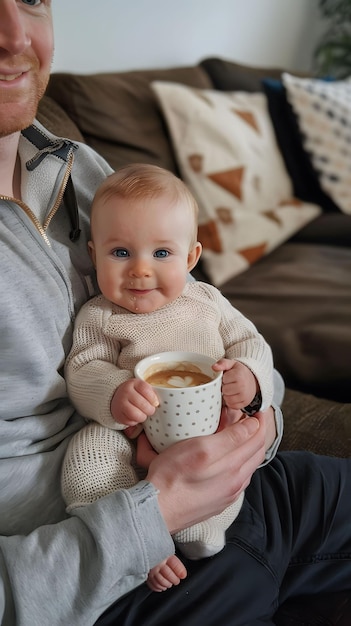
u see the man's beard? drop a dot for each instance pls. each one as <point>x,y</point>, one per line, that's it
<point>17,111</point>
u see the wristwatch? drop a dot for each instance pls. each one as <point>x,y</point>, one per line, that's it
<point>254,406</point>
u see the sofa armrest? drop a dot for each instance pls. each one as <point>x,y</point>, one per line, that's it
<point>315,424</point>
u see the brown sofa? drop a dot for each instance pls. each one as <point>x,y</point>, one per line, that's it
<point>299,296</point>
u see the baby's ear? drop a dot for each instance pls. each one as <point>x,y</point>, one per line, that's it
<point>91,249</point>
<point>194,256</point>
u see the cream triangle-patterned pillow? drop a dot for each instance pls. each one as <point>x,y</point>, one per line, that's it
<point>227,155</point>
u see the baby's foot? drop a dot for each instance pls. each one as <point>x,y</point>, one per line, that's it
<point>166,574</point>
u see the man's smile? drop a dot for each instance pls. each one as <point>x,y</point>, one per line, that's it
<point>9,77</point>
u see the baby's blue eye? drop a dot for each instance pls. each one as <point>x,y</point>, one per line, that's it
<point>31,3</point>
<point>121,253</point>
<point>161,254</point>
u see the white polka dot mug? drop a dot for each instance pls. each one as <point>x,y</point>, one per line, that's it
<point>186,409</point>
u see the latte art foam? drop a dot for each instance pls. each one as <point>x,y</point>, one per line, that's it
<point>180,376</point>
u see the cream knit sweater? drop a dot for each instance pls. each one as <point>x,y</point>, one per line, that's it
<point>109,341</point>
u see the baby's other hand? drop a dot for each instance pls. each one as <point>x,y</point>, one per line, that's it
<point>133,401</point>
<point>239,385</point>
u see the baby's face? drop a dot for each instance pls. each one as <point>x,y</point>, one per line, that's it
<point>141,251</point>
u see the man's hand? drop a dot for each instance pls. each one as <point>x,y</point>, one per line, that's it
<point>200,477</point>
<point>229,416</point>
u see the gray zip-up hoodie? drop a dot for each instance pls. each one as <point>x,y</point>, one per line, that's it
<point>55,569</point>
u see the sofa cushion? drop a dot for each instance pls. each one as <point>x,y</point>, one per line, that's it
<point>117,113</point>
<point>228,156</point>
<point>299,297</point>
<point>56,120</point>
<point>323,110</point>
<point>329,228</point>
<point>230,76</point>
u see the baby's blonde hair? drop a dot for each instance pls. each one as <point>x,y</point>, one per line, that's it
<point>140,180</point>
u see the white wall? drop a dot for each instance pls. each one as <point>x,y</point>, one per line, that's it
<point>109,35</point>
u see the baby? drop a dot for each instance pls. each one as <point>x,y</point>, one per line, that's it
<point>143,245</point>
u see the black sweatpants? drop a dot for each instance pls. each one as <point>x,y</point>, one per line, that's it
<point>292,537</point>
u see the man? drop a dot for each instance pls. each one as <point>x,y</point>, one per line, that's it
<point>60,569</point>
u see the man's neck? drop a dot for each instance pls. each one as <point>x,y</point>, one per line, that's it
<point>10,174</point>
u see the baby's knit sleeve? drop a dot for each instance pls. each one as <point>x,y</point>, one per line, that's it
<point>91,371</point>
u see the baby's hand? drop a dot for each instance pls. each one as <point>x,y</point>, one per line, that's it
<point>132,402</point>
<point>239,385</point>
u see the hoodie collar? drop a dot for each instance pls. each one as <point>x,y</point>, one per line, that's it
<point>46,144</point>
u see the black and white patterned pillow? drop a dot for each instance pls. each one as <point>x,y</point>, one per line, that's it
<point>323,111</point>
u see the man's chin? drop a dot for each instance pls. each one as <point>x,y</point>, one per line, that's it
<point>17,111</point>
<point>16,119</point>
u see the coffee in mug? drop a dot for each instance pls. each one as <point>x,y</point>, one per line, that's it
<point>180,375</point>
